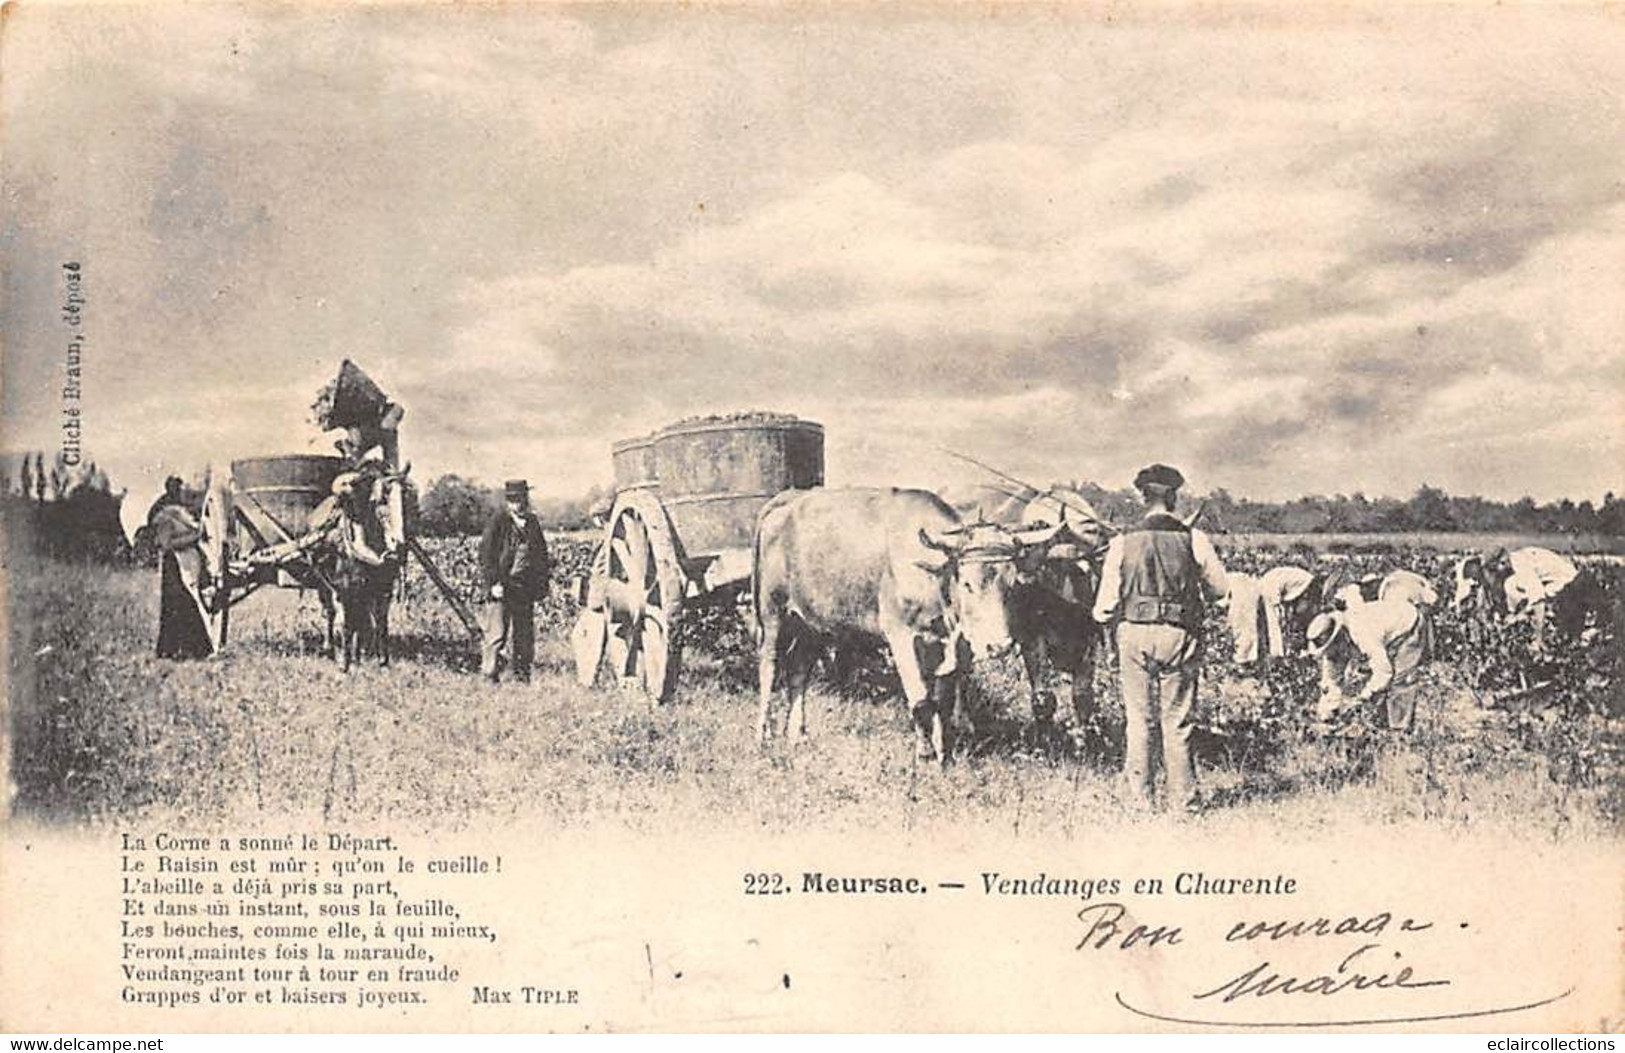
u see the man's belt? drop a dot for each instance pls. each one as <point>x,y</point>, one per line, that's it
<point>1150,610</point>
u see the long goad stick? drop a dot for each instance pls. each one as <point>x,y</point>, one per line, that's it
<point>1038,494</point>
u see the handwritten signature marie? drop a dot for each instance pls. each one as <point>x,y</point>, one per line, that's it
<point>1109,928</point>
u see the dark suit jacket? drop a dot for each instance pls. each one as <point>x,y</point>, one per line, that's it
<point>500,545</point>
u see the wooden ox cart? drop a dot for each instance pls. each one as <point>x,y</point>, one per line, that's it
<point>680,533</point>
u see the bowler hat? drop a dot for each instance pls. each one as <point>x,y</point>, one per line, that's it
<point>1160,477</point>
<point>515,490</point>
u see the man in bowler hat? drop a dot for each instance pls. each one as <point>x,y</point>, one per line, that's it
<point>515,569</point>
<point>1156,582</point>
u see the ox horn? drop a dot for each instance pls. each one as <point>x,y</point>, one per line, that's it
<point>1038,535</point>
<point>1066,505</point>
<point>931,541</point>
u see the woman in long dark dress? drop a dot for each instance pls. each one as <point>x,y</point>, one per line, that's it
<point>181,629</point>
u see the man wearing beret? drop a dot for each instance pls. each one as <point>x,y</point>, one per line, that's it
<point>515,570</point>
<point>1156,583</point>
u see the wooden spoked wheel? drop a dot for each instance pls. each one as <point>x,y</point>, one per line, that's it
<point>587,638</point>
<point>215,587</point>
<point>643,594</point>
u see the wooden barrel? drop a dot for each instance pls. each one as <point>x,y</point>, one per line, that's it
<point>714,476</point>
<point>288,488</point>
<point>634,463</point>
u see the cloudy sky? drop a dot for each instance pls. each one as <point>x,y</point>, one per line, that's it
<point>1288,251</point>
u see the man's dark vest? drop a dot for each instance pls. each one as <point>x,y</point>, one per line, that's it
<point>523,554</point>
<point>1161,582</point>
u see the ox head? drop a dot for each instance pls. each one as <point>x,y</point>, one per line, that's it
<point>1067,507</point>
<point>1068,560</point>
<point>980,565</point>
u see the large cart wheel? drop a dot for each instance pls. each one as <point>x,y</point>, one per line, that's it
<point>215,589</point>
<point>587,638</point>
<point>643,596</point>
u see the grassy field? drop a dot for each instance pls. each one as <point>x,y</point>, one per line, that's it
<point>104,731</point>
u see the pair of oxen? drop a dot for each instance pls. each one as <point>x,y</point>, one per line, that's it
<point>834,565</point>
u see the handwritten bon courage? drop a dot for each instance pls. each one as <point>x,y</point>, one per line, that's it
<point>1108,927</point>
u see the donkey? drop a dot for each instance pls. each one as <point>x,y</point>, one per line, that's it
<point>363,559</point>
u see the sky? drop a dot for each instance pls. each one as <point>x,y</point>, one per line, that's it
<point>1289,250</point>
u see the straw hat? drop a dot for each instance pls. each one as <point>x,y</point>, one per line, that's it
<point>1323,630</point>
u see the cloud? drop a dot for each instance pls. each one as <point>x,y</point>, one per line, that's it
<point>1286,259</point>
<point>1279,316</point>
